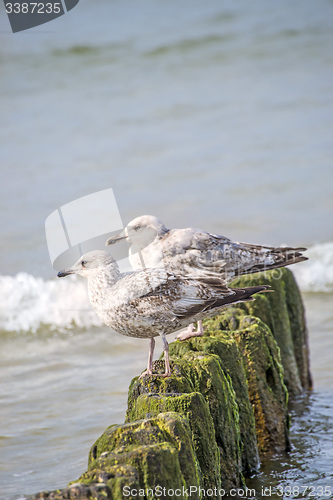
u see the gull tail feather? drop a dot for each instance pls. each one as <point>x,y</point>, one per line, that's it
<point>239,295</point>
<point>283,256</point>
<point>246,294</point>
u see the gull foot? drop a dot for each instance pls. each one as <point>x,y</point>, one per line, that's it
<point>146,372</point>
<point>189,332</point>
<point>150,372</point>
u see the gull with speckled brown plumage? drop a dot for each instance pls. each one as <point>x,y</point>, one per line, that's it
<point>152,302</point>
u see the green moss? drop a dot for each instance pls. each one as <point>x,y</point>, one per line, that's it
<point>205,372</point>
<point>126,454</point>
<point>193,406</point>
<point>298,328</point>
<point>116,478</point>
<point>230,403</point>
<point>267,391</point>
<point>250,353</point>
<point>156,464</point>
<point>272,309</point>
<point>146,467</point>
<point>176,384</point>
<point>81,491</point>
<point>202,372</point>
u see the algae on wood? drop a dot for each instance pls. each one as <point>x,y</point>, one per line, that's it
<point>145,454</point>
<point>202,372</point>
<point>267,391</point>
<point>264,371</point>
<point>299,329</point>
<point>208,378</point>
<point>193,406</point>
<point>223,345</point>
<point>78,491</point>
<point>278,311</point>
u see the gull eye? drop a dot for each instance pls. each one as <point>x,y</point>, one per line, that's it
<point>83,263</point>
<point>137,227</point>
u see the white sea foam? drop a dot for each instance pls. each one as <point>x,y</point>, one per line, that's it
<point>28,303</point>
<point>316,274</point>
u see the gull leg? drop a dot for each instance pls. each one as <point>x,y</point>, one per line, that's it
<point>166,357</point>
<point>189,332</point>
<point>199,332</point>
<point>167,372</point>
<point>149,370</point>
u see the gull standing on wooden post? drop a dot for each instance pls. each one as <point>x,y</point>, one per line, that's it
<point>152,302</point>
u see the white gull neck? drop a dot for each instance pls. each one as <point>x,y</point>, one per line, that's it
<point>100,284</point>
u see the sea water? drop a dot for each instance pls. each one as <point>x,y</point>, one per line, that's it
<point>209,114</point>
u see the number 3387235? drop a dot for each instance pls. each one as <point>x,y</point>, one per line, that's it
<point>33,7</point>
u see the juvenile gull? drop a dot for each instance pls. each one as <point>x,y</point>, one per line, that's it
<point>198,253</point>
<point>151,302</point>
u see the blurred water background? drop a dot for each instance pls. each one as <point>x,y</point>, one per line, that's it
<point>212,114</point>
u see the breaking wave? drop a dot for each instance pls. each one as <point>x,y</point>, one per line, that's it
<point>316,274</point>
<point>28,303</point>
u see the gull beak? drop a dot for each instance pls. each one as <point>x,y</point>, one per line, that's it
<point>115,239</point>
<point>65,272</point>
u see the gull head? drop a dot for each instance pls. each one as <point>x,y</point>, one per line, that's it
<point>140,231</point>
<point>91,264</point>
